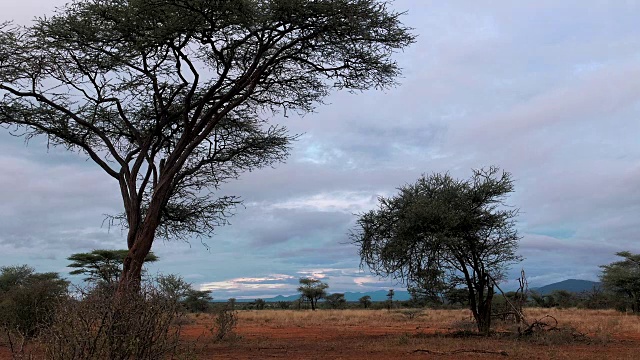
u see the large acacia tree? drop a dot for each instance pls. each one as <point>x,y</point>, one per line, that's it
<point>443,233</point>
<point>170,97</point>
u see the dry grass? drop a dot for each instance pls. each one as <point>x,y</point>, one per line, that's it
<point>366,334</point>
<point>351,317</point>
<point>592,322</point>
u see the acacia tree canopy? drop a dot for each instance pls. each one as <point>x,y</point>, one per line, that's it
<point>102,265</point>
<point>312,290</point>
<point>171,97</point>
<point>443,232</point>
<point>623,278</point>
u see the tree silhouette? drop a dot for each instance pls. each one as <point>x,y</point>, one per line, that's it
<point>171,98</point>
<point>312,290</point>
<point>442,230</point>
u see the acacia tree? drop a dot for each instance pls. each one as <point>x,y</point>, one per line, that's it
<point>365,301</point>
<point>390,294</point>
<point>335,300</point>
<point>623,278</point>
<point>103,266</point>
<point>312,290</point>
<point>170,97</point>
<point>443,231</point>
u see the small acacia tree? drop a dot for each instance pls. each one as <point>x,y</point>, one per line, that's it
<point>335,300</point>
<point>441,230</point>
<point>390,294</point>
<point>623,279</point>
<point>365,301</point>
<point>312,290</point>
<point>170,97</point>
<point>260,304</point>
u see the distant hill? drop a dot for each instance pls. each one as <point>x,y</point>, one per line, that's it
<point>572,285</point>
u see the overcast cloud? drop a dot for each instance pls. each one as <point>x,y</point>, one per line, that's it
<point>547,90</point>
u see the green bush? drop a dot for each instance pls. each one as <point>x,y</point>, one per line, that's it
<point>28,299</point>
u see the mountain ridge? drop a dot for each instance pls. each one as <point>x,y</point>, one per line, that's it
<point>572,285</point>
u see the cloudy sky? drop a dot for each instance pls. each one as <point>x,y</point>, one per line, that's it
<point>547,90</point>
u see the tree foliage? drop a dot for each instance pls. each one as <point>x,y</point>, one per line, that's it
<point>623,279</point>
<point>365,301</point>
<point>443,232</point>
<point>28,299</point>
<point>335,300</point>
<point>175,288</point>
<point>260,304</point>
<point>170,98</point>
<point>102,266</point>
<point>312,290</point>
<point>197,300</point>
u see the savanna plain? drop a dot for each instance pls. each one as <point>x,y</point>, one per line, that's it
<point>400,334</point>
<point>407,334</point>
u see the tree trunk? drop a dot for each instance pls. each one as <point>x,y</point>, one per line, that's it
<point>141,236</point>
<point>483,317</point>
<point>132,266</point>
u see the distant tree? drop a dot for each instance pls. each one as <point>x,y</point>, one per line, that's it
<point>597,298</point>
<point>231,303</point>
<point>312,290</point>
<point>457,296</point>
<point>622,278</point>
<point>442,230</point>
<point>28,299</point>
<point>564,298</point>
<point>390,295</point>
<point>102,265</point>
<point>545,301</point>
<point>197,301</point>
<point>365,301</point>
<point>173,287</point>
<point>335,300</point>
<point>170,98</point>
<point>284,304</point>
<point>260,303</point>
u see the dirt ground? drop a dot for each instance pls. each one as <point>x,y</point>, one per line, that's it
<point>380,334</point>
<point>383,335</point>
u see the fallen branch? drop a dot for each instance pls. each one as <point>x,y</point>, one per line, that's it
<point>459,351</point>
<point>541,325</point>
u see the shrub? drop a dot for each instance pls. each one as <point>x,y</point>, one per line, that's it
<point>28,299</point>
<point>260,303</point>
<point>103,325</point>
<point>284,304</point>
<point>225,321</point>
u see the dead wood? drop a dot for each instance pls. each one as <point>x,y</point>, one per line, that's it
<point>541,325</point>
<point>459,351</point>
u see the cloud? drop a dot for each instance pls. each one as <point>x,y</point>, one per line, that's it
<point>547,90</point>
<point>349,202</point>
